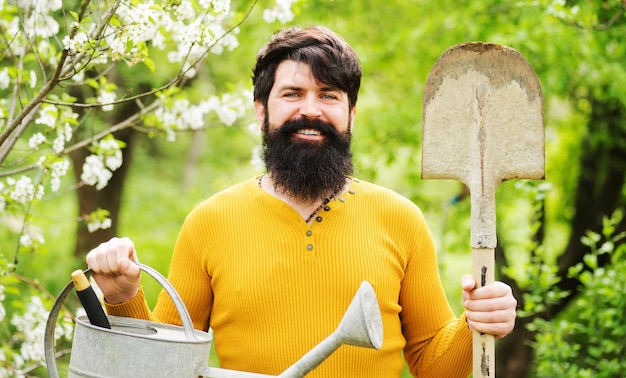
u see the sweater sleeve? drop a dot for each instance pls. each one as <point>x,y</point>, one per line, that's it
<point>438,343</point>
<point>135,308</point>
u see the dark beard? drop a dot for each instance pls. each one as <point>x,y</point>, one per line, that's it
<point>305,170</point>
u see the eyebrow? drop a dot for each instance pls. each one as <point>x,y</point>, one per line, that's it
<point>323,88</point>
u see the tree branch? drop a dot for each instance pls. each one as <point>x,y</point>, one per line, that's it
<point>17,126</point>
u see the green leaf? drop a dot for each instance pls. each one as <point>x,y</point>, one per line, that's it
<point>92,83</point>
<point>150,64</point>
<point>591,260</point>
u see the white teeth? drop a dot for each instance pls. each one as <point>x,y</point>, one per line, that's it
<point>309,132</point>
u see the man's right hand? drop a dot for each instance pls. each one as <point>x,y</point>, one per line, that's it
<point>115,270</point>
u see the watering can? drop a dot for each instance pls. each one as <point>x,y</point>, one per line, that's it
<point>141,348</point>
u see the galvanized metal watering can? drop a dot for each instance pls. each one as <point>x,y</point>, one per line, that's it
<point>140,348</point>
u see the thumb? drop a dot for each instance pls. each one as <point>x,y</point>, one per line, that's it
<point>128,268</point>
<point>468,283</point>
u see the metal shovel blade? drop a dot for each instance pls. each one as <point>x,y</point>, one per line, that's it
<point>482,124</point>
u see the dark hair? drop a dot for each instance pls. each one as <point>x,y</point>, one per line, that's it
<point>332,60</point>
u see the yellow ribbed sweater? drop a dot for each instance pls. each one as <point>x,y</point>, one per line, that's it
<point>271,287</point>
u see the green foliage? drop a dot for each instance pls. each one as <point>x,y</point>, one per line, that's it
<point>588,339</point>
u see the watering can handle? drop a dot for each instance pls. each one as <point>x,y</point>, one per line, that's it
<point>54,314</point>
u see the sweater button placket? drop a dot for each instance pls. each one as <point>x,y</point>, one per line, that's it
<point>309,246</point>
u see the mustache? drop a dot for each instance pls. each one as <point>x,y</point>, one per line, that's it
<point>293,126</point>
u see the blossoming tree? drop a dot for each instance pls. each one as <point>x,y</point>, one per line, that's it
<point>58,76</point>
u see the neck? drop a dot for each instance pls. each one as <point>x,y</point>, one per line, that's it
<point>307,209</point>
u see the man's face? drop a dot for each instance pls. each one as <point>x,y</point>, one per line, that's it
<point>296,94</point>
<point>307,129</point>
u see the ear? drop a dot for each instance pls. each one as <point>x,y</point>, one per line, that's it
<point>259,109</point>
<point>352,117</point>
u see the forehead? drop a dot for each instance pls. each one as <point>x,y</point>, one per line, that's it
<point>296,74</point>
<point>291,70</point>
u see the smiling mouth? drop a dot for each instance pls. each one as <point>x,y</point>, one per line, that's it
<point>312,132</point>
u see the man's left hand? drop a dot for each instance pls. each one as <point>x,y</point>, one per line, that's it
<point>489,309</point>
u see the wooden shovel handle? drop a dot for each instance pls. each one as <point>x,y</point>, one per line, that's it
<point>483,344</point>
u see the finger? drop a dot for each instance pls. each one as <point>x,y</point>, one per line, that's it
<point>97,259</point>
<point>493,316</point>
<point>498,330</point>
<point>495,290</point>
<point>491,304</point>
<point>129,269</point>
<point>93,258</point>
<point>498,323</point>
<point>111,256</point>
<point>90,259</point>
<point>124,250</point>
<point>468,282</point>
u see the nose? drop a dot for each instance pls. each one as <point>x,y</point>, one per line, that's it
<point>310,107</point>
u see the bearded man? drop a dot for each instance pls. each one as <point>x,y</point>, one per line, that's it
<point>271,264</point>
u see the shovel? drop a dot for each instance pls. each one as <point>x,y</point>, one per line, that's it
<point>482,124</point>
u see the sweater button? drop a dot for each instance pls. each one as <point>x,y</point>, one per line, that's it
<point>309,247</point>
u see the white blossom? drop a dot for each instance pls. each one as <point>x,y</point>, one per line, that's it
<point>31,325</point>
<point>68,132</point>
<point>48,116</point>
<point>23,190</point>
<point>113,154</point>
<point>59,169</point>
<point>5,79</point>
<point>114,161</point>
<point>281,12</point>
<point>116,44</point>
<point>97,224</point>
<point>58,145</point>
<point>33,79</point>
<point>232,107</point>
<point>185,10</point>
<point>38,21</point>
<point>95,173</point>
<point>106,97</point>
<point>26,240</point>
<point>221,6</point>
<point>36,140</point>
<point>76,43</point>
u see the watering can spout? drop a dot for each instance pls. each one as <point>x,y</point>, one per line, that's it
<point>362,323</point>
<point>360,326</point>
